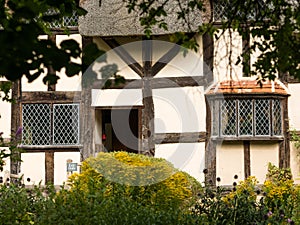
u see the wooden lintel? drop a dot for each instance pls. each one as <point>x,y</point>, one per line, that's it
<point>249,138</point>
<point>156,83</point>
<point>187,137</point>
<point>165,59</point>
<point>124,55</point>
<point>51,96</point>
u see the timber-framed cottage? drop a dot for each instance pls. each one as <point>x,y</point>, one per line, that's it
<point>191,110</point>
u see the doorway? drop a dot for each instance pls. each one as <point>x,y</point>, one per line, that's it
<point>120,129</point>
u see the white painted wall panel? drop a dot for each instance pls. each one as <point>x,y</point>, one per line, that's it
<point>188,157</point>
<point>179,109</point>
<point>293,104</point>
<point>5,118</point>
<point>222,68</point>
<point>6,168</point>
<point>33,167</point>
<point>117,97</point>
<point>260,155</point>
<point>66,83</point>
<point>60,165</point>
<point>230,162</point>
<point>295,163</point>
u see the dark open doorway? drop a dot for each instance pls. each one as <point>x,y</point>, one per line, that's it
<point>120,129</point>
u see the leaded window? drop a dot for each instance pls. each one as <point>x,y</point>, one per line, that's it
<point>224,9</point>
<point>66,21</point>
<point>246,117</point>
<point>50,124</point>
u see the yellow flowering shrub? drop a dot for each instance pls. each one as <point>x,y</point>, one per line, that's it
<point>244,188</point>
<point>147,180</point>
<point>279,187</point>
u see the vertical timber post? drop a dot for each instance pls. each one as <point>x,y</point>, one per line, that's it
<point>16,114</point>
<point>210,150</point>
<point>284,146</point>
<point>87,112</point>
<point>49,167</point>
<point>247,167</point>
<point>148,145</point>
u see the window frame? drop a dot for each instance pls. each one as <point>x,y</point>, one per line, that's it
<point>51,129</point>
<point>216,117</point>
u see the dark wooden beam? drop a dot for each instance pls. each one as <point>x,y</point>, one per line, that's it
<point>51,97</point>
<point>49,167</point>
<point>284,146</point>
<point>208,57</point>
<point>124,55</point>
<point>165,59</point>
<point>249,138</point>
<point>210,150</point>
<point>16,114</point>
<point>87,113</point>
<point>246,53</point>
<point>51,87</point>
<point>247,164</point>
<point>148,145</point>
<point>187,137</point>
<point>158,82</point>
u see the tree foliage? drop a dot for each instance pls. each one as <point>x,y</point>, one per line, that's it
<point>23,52</point>
<point>274,26</point>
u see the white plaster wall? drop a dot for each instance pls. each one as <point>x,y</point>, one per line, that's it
<point>36,85</point>
<point>222,47</point>
<point>60,165</point>
<point>6,168</point>
<point>66,83</point>
<point>230,162</point>
<point>33,167</point>
<point>5,116</point>
<point>295,163</point>
<point>117,97</point>
<point>293,106</point>
<point>188,157</point>
<point>179,109</point>
<point>260,155</point>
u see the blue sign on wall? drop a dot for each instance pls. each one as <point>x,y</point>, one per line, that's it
<point>71,167</point>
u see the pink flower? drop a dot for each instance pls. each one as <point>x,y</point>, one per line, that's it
<point>19,131</point>
<point>269,214</point>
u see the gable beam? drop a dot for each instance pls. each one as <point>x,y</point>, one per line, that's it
<point>165,59</point>
<point>124,55</point>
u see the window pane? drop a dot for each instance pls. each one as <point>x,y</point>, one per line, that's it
<point>228,117</point>
<point>277,115</point>
<point>36,119</point>
<point>262,117</point>
<point>245,117</point>
<point>65,124</point>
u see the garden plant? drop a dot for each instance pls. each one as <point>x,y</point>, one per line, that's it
<point>94,198</point>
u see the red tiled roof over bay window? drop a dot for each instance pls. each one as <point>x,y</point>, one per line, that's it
<point>248,87</point>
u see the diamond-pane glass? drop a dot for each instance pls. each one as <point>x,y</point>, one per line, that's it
<point>223,9</point>
<point>215,117</point>
<point>67,21</point>
<point>245,117</point>
<point>65,124</point>
<point>262,117</point>
<point>36,120</point>
<point>228,117</point>
<point>277,115</point>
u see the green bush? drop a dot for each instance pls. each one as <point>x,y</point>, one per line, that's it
<point>145,180</point>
